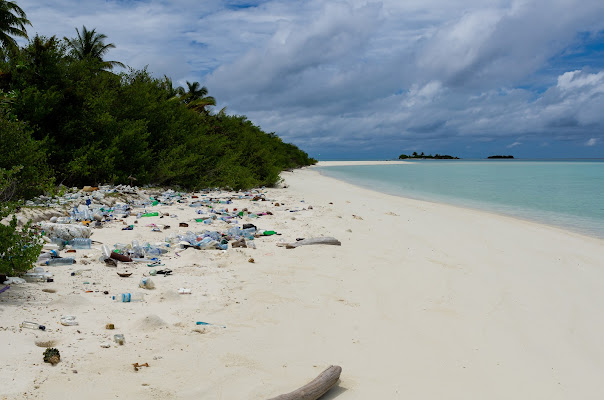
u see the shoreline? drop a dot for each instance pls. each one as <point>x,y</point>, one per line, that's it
<point>418,293</point>
<point>485,209</point>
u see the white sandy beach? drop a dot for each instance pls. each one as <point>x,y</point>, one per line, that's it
<point>421,301</point>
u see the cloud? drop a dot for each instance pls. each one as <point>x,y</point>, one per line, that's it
<point>592,142</point>
<point>510,146</point>
<point>355,74</point>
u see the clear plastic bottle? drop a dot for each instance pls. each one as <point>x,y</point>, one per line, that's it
<point>32,325</point>
<point>80,243</point>
<point>128,297</point>
<point>60,261</point>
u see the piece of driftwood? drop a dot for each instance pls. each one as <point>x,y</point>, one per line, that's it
<point>315,388</point>
<point>306,242</point>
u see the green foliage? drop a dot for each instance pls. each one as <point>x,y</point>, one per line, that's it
<point>429,156</point>
<point>19,150</point>
<point>19,246</point>
<point>89,126</point>
<point>12,23</point>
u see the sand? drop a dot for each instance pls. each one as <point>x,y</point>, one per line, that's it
<point>422,300</point>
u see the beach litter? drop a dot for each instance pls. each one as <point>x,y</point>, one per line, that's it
<point>137,366</point>
<point>312,241</point>
<point>52,356</point>
<point>209,324</point>
<point>146,283</point>
<point>119,339</point>
<point>32,325</point>
<point>69,320</point>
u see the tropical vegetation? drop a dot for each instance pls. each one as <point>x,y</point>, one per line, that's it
<point>66,117</point>
<point>429,156</point>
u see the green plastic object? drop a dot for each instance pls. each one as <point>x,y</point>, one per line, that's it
<point>269,233</point>
<point>153,214</point>
<point>155,203</point>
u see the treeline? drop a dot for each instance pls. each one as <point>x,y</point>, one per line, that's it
<point>429,156</point>
<point>65,118</point>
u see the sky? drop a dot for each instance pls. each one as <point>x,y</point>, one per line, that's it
<point>355,79</point>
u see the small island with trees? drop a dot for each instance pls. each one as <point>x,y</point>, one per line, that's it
<point>422,156</point>
<point>500,157</point>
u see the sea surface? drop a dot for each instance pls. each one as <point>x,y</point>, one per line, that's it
<point>568,194</point>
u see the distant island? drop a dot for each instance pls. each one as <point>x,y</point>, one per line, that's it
<point>429,156</point>
<point>500,157</point>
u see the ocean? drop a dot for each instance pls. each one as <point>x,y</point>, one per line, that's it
<point>568,194</point>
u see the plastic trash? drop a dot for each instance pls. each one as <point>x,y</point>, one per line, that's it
<point>80,243</point>
<point>13,280</point>
<point>146,283</point>
<point>119,339</point>
<point>60,261</point>
<point>120,257</point>
<point>128,297</point>
<point>184,291</point>
<point>32,325</point>
<point>152,214</point>
<point>106,251</point>
<point>69,320</point>
<point>66,231</point>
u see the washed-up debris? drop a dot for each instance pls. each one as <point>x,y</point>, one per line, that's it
<point>69,320</point>
<point>315,388</point>
<point>124,274</point>
<point>120,257</point>
<point>207,323</point>
<point>137,366</point>
<point>110,262</point>
<point>52,356</point>
<point>146,283</point>
<point>32,325</point>
<point>65,231</point>
<point>305,242</point>
<point>119,339</point>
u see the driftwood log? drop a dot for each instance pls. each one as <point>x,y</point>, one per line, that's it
<point>306,242</point>
<point>315,388</point>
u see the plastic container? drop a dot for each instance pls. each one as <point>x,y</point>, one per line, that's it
<point>69,320</point>
<point>32,325</point>
<point>106,251</point>
<point>128,297</point>
<point>60,261</point>
<point>152,214</point>
<point>146,283</point>
<point>80,243</point>
<point>119,339</point>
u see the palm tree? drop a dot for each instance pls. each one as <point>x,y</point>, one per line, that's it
<point>195,97</point>
<point>90,44</point>
<point>12,23</point>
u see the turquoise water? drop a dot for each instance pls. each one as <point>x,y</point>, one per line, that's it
<point>566,194</point>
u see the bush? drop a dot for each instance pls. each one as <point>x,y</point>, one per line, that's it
<point>19,247</point>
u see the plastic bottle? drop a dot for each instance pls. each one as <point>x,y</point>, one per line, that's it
<point>146,283</point>
<point>128,297</point>
<point>60,261</point>
<point>248,233</point>
<point>58,241</point>
<point>32,325</point>
<point>80,243</point>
